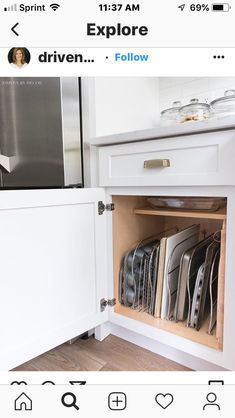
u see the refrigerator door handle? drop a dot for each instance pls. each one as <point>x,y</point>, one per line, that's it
<point>7,164</point>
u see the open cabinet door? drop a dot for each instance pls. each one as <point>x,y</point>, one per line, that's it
<point>52,270</point>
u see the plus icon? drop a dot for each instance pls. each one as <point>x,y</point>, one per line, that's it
<point>117,401</point>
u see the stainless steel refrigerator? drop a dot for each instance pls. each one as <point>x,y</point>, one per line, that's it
<point>40,133</point>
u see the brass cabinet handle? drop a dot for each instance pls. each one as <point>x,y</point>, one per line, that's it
<point>157,163</point>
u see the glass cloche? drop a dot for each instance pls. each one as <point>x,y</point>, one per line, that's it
<point>194,111</point>
<point>171,116</point>
<point>224,106</point>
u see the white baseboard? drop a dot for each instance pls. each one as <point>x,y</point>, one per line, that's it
<point>178,356</point>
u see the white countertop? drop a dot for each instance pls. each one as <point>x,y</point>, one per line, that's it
<point>187,128</point>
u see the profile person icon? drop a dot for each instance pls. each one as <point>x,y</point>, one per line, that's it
<point>211,398</point>
<point>19,57</point>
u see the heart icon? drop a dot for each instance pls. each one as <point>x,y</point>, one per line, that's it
<point>164,400</point>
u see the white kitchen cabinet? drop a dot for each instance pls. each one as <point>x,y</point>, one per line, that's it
<point>53,274</point>
<point>200,165</point>
<point>60,258</point>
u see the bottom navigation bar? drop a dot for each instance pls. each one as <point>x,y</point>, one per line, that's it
<point>129,400</point>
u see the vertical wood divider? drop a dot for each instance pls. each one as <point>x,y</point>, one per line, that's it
<point>221,282</point>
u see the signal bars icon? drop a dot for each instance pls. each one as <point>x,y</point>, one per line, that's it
<point>54,6</point>
<point>12,8</point>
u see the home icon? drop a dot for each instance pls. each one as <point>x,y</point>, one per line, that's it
<point>23,402</point>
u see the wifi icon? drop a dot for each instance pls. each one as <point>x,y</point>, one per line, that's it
<point>54,6</point>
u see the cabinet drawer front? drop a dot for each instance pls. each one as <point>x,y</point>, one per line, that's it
<point>205,159</point>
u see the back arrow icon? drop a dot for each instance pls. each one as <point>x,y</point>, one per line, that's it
<point>13,29</point>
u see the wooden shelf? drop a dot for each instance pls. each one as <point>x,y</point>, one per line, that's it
<point>177,328</point>
<point>128,230</point>
<point>218,215</point>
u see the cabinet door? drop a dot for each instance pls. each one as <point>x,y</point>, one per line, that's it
<point>52,269</point>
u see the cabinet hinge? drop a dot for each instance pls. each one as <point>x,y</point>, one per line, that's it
<point>102,207</point>
<point>104,303</point>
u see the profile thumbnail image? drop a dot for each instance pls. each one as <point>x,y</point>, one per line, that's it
<point>19,57</point>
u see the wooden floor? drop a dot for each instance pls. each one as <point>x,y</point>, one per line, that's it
<point>112,354</point>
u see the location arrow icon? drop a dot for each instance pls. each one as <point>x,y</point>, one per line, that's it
<point>181,7</point>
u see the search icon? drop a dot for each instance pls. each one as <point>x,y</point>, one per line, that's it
<point>69,400</point>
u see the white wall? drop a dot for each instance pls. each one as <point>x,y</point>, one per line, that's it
<point>119,104</point>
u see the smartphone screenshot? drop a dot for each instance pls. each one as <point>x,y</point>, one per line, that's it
<point>117,202</point>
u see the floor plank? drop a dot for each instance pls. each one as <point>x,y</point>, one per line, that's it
<point>112,354</point>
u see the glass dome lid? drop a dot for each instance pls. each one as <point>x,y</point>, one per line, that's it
<point>170,116</point>
<point>194,104</point>
<point>225,103</point>
<point>172,110</point>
